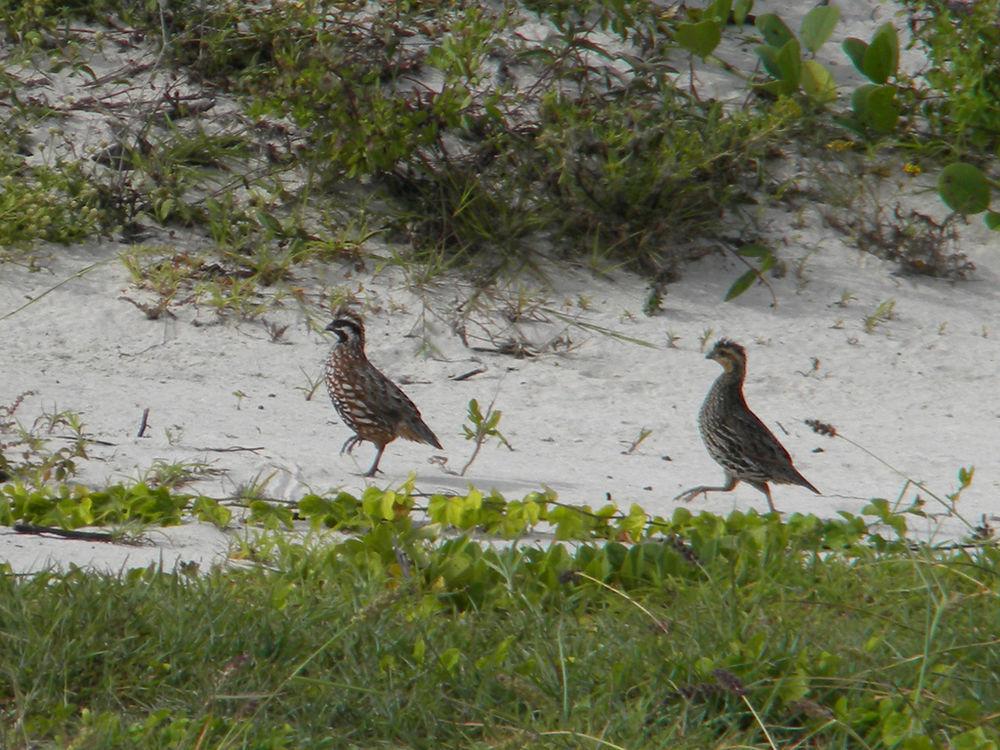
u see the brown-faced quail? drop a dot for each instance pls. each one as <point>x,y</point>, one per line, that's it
<point>738,441</point>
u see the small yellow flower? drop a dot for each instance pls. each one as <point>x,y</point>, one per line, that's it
<point>912,169</point>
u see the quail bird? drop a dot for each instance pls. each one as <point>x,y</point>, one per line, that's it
<point>738,441</point>
<point>369,403</point>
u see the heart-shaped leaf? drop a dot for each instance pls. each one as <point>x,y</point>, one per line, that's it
<point>741,9</point>
<point>774,30</point>
<point>699,38</point>
<point>882,56</point>
<point>855,49</point>
<point>769,58</point>
<point>964,188</point>
<point>719,10</point>
<point>818,83</point>
<point>789,59</point>
<point>882,109</point>
<point>817,26</point>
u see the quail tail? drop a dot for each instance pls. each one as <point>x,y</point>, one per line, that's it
<point>418,432</point>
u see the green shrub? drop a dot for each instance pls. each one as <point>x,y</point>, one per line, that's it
<point>630,174</point>
<point>961,41</point>
<point>55,205</point>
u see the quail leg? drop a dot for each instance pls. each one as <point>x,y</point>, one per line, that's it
<point>688,495</point>
<point>378,457</point>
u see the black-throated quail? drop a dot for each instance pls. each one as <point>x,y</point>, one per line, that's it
<point>369,403</point>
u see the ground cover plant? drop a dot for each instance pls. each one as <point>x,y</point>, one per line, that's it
<point>482,134</point>
<point>702,631</point>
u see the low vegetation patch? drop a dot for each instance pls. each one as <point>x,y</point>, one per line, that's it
<point>388,618</point>
<point>692,632</point>
<point>486,136</point>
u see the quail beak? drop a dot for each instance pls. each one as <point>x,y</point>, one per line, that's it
<point>329,327</point>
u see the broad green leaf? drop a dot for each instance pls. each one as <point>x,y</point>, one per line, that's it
<point>855,49</point>
<point>387,506</point>
<point>699,38</point>
<point>269,515</point>
<point>703,666</point>
<point>474,413</point>
<point>784,64</point>
<point>882,56</point>
<point>741,8</point>
<point>474,499</point>
<point>992,220</point>
<point>974,739</point>
<point>454,512</point>
<point>882,112</point>
<point>719,10</point>
<point>793,687</point>
<point>964,188</point>
<point>876,107</point>
<point>774,30</point>
<point>741,285</point>
<point>859,99</point>
<point>789,61</point>
<point>817,26</point>
<point>769,58</point>
<point>313,505</point>
<point>841,708</point>
<point>163,209</point>
<point>818,83</point>
<point>777,89</point>
<point>211,511</point>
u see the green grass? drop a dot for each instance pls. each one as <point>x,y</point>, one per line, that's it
<point>725,632</point>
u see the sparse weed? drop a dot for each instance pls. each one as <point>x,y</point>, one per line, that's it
<point>632,445</point>
<point>917,242</point>
<point>174,435</point>
<point>30,457</point>
<point>480,428</point>
<point>653,303</point>
<point>176,474</point>
<point>470,137</point>
<point>846,297</point>
<point>636,178</point>
<point>704,338</point>
<point>312,383</point>
<point>884,312</point>
<point>241,297</point>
